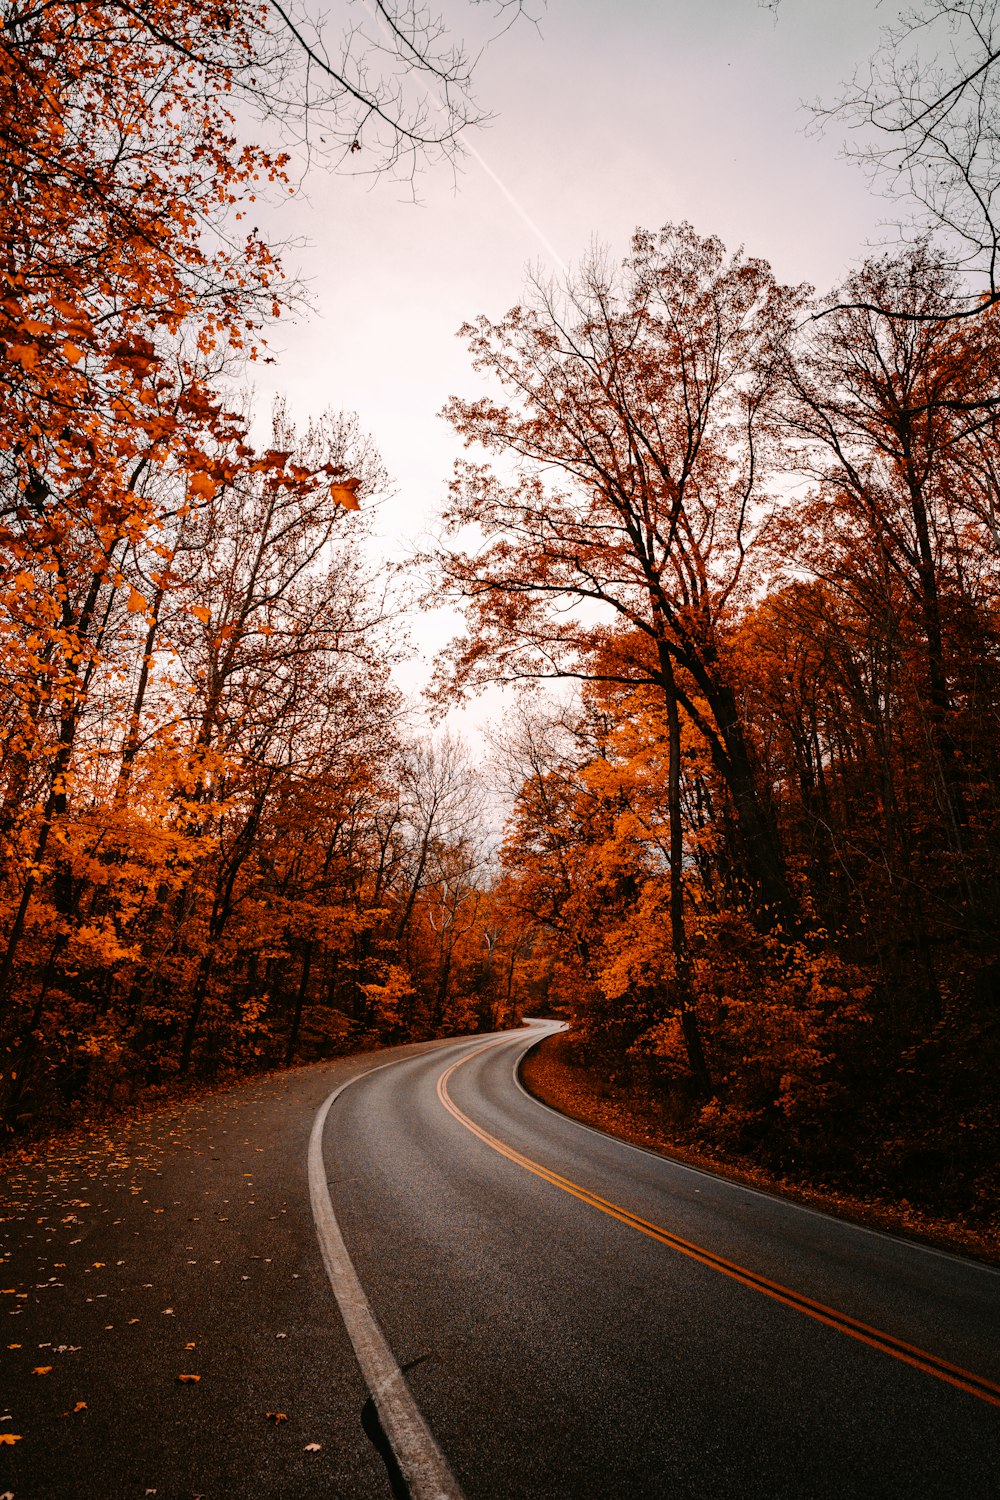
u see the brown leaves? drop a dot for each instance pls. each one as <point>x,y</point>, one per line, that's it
<point>138,357</point>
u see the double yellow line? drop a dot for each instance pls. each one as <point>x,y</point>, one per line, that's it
<point>920,1359</point>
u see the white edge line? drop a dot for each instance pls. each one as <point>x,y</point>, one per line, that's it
<point>421,1462</point>
<point>968,1262</point>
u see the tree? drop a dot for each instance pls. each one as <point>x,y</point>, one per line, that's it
<point>166,666</point>
<point>927,107</point>
<point>631,503</point>
<point>891,416</point>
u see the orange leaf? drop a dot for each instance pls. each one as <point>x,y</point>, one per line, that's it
<point>72,353</point>
<point>343,492</point>
<point>189,1379</point>
<point>202,484</point>
<point>41,1370</point>
<point>136,605</point>
<point>276,1416</point>
<point>10,1437</point>
<point>201,613</point>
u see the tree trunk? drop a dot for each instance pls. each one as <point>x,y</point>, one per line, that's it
<point>293,1035</point>
<point>678,929</point>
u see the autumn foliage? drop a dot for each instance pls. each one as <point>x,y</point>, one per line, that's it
<point>760,848</point>
<point>218,845</point>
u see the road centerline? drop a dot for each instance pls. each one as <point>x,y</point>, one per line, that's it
<point>887,1343</point>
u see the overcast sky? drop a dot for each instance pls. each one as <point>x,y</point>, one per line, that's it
<point>610,115</point>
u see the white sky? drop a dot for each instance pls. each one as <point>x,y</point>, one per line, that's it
<point>619,113</point>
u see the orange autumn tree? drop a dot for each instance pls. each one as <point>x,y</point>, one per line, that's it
<point>628,492</point>
<point>133,288</point>
<point>586,855</point>
<point>120,293</point>
<point>632,454</point>
<point>863,656</point>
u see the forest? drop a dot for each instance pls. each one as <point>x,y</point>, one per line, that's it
<point>732,546</point>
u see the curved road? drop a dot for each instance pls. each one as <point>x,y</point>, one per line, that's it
<point>577,1318</point>
<point>727,1344</point>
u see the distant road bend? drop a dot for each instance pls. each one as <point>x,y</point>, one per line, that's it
<point>581,1318</point>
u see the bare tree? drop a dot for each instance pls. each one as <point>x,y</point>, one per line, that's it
<point>388,88</point>
<point>926,109</point>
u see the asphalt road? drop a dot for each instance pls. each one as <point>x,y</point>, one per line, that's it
<point>579,1318</point>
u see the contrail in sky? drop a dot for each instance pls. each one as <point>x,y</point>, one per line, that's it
<point>478,157</point>
<point>518,207</point>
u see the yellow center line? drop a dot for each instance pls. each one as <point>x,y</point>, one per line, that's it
<point>920,1359</point>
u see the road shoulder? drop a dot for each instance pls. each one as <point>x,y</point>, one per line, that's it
<point>583,1094</point>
